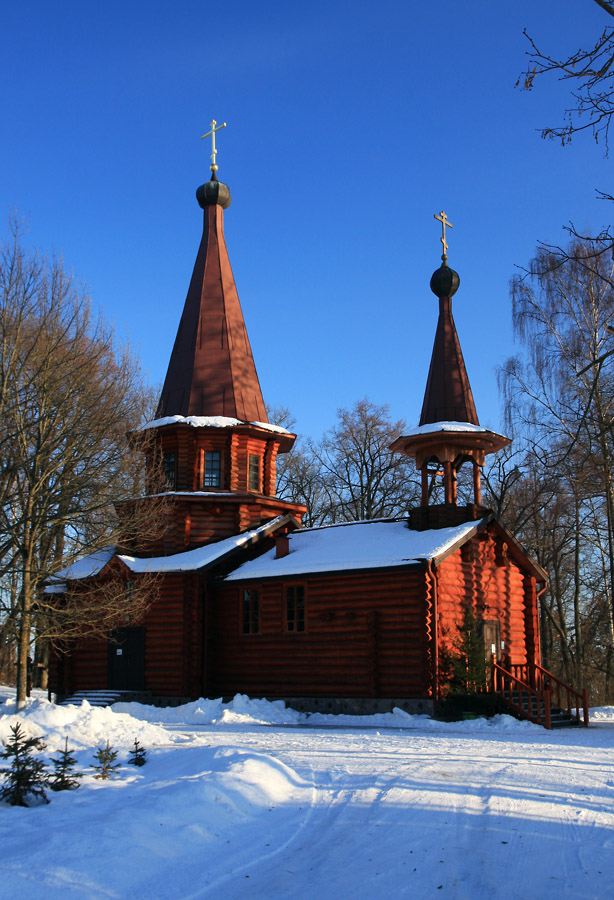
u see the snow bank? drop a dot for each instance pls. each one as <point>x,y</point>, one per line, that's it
<point>240,711</point>
<point>85,726</point>
<point>602,714</point>
<point>88,726</point>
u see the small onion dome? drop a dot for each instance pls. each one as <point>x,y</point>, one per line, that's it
<point>213,193</point>
<point>445,281</point>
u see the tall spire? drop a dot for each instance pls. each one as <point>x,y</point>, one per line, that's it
<point>448,396</point>
<point>449,433</point>
<point>211,370</point>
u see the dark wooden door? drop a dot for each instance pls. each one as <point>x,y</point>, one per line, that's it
<point>492,639</point>
<point>127,660</point>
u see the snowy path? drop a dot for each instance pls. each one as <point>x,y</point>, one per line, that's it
<point>238,810</point>
<point>401,815</point>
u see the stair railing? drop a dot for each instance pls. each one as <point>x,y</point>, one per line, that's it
<point>532,704</point>
<point>561,694</point>
<point>565,696</point>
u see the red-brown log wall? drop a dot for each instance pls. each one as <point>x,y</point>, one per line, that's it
<point>483,577</point>
<point>173,646</point>
<point>364,638</point>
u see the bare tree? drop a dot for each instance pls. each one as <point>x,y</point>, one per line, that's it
<point>362,478</point>
<point>350,474</point>
<point>299,478</point>
<point>68,396</point>
<point>591,74</point>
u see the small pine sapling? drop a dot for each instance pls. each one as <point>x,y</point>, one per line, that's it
<point>65,778</point>
<point>138,755</point>
<point>106,759</point>
<point>27,777</point>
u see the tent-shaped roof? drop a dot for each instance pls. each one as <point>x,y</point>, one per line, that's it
<point>211,371</point>
<point>448,395</point>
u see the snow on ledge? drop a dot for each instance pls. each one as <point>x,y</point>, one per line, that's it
<point>211,422</point>
<point>466,427</point>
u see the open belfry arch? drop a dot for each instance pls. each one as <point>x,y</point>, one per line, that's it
<point>355,616</point>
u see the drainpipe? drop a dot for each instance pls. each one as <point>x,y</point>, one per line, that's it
<point>538,637</point>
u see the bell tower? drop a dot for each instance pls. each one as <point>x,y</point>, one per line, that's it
<point>449,433</point>
<point>211,430</point>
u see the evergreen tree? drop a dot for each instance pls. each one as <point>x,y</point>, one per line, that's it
<point>64,777</point>
<point>468,662</point>
<point>26,778</point>
<point>106,758</point>
<point>137,755</point>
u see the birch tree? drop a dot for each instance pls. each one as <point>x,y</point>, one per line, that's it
<point>559,396</point>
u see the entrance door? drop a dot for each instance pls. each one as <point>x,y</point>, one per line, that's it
<point>491,631</point>
<point>126,669</point>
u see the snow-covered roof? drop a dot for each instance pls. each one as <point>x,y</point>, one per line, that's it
<point>188,561</point>
<point>87,566</point>
<point>191,560</point>
<point>211,422</point>
<point>433,427</point>
<point>357,545</point>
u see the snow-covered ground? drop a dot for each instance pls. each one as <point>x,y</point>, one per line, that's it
<point>250,800</point>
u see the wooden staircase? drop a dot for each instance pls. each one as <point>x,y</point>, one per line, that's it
<point>533,693</point>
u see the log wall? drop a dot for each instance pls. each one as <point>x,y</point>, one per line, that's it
<point>173,646</point>
<point>369,634</point>
<point>483,576</point>
<point>364,638</point>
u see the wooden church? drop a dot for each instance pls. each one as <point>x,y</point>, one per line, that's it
<point>355,617</point>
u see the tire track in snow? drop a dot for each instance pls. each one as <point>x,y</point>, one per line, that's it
<point>316,800</point>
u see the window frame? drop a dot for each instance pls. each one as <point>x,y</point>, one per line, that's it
<point>170,468</point>
<point>203,468</point>
<point>249,599</point>
<point>297,588</point>
<point>252,476</point>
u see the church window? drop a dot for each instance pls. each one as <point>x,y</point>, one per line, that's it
<point>169,466</point>
<point>213,469</point>
<point>251,611</point>
<point>254,472</point>
<point>295,608</point>
<point>129,598</point>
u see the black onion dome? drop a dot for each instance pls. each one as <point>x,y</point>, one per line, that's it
<point>445,281</point>
<point>213,193</point>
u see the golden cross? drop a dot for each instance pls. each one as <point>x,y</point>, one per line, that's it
<point>444,221</point>
<point>212,135</point>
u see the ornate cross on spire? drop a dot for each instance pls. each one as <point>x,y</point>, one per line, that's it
<point>444,221</point>
<point>212,135</point>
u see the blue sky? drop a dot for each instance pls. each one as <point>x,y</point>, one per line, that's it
<point>349,125</point>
